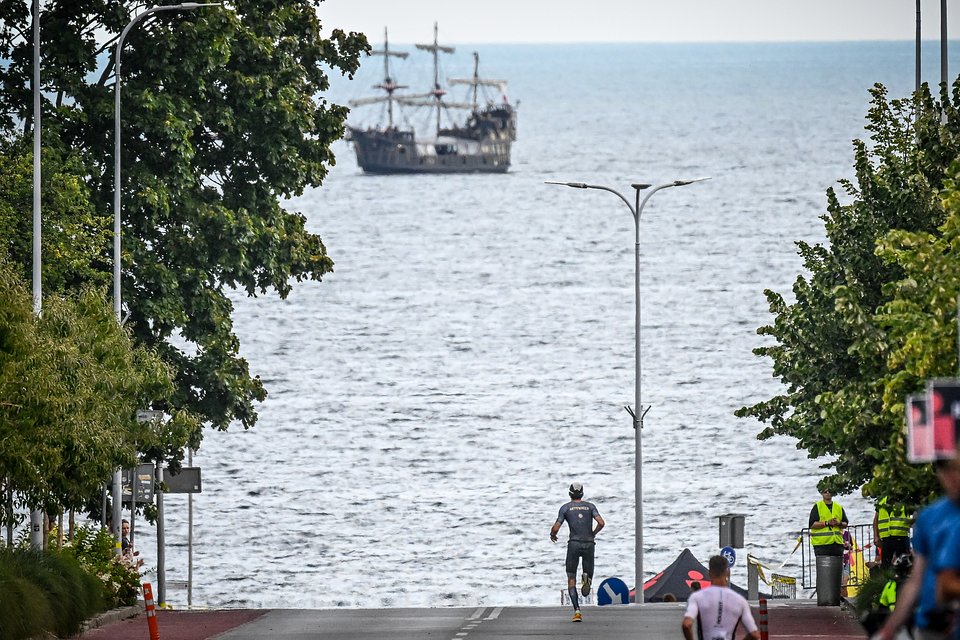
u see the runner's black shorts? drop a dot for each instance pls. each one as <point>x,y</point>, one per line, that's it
<point>576,550</point>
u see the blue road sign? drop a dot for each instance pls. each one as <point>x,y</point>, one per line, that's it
<point>613,591</point>
<point>730,555</point>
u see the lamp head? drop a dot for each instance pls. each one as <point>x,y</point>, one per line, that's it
<point>680,183</point>
<point>575,185</point>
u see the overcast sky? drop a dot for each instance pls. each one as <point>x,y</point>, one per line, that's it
<point>516,21</point>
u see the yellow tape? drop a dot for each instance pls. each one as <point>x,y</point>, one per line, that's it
<point>759,566</point>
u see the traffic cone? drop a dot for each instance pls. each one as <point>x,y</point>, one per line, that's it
<point>151,611</point>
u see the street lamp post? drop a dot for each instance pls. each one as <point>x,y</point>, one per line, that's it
<point>637,413</point>
<point>116,212</point>
<point>36,515</point>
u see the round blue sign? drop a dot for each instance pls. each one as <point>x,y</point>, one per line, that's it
<point>730,555</point>
<point>613,591</point>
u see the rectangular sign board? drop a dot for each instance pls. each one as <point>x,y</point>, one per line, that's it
<point>919,430</point>
<point>186,481</point>
<point>943,403</point>
<point>144,483</point>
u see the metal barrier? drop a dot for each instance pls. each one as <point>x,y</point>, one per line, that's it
<point>863,547</point>
<point>783,586</point>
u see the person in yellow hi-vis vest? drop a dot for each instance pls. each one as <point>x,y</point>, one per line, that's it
<point>891,531</point>
<point>827,522</point>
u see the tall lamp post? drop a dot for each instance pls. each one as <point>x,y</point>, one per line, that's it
<point>116,213</point>
<point>36,515</point>
<point>637,413</point>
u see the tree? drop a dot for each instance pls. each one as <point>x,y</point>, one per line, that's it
<point>833,347</point>
<point>222,118</point>
<point>71,382</point>
<point>75,237</point>
<point>921,324</point>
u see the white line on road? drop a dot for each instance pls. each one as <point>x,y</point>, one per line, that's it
<point>495,614</point>
<point>477,613</point>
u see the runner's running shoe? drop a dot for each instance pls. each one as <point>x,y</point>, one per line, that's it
<point>577,617</point>
<point>585,585</point>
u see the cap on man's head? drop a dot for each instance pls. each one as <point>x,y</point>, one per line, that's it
<point>576,490</point>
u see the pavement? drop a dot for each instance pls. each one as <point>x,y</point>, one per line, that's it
<point>788,620</point>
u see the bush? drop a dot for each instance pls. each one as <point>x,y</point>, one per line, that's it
<point>94,549</point>
<point>56,591</point>
<point>868,596</point>
<point>25,611</point>
<point>44,591</point>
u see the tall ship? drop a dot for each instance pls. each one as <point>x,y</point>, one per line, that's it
<point>477,142</point>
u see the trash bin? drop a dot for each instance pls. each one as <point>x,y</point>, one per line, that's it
<point>731,530</point>
<point>829,574</point>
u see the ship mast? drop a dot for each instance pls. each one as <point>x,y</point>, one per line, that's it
<point>437,92</point>
<point>476,77</point>
<point>476,82</point>
<point>388,84</point>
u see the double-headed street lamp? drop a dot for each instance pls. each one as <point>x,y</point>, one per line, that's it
<point>637,413</point>
<point>186,6</point>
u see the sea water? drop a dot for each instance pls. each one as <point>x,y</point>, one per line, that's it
<point>473,351</point>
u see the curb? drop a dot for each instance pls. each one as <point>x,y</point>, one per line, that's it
<point>114,615</point>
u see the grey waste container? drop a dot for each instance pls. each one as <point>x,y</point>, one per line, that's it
<point>731,530</point>
<point>829,573</point>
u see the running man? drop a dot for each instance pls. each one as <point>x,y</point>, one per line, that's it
<point>718,610</point>
<point>579,516</point>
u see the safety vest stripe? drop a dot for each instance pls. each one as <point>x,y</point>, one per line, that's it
<point>893,523</point>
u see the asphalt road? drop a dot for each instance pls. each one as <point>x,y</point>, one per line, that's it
<point>651,622</point>
<point>788,620</point>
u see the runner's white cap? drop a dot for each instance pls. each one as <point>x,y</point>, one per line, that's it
<point>576,488</point>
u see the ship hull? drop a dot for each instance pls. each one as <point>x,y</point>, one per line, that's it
<point>384,152</point>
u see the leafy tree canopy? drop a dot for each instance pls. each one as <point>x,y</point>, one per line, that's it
<point>222,118</point>
<point>71,383</point>
<point>852,343</point>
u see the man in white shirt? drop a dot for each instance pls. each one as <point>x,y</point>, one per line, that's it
<point>718,610</point>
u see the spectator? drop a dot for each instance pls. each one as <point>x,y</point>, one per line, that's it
<point>847,561</point>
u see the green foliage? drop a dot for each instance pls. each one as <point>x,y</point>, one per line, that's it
<point>44,591</point>
<point>75,238</point>
<point>25,611</point>
<point>850,346</point>
<point>71,383</point>
<point>223,117</point>
<point>868,594</point>
<point>94,550</point>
